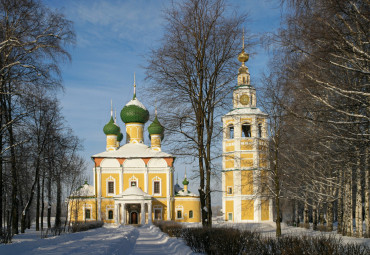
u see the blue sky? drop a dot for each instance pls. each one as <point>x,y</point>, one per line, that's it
<point>113,40</point>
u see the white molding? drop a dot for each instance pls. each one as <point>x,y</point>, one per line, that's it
<point>107,208</point>
<point>156,179</point>
<point>87,206</point>
<point>179,208</point>
<point>158,207</point>
<point>110,179</point>
<point>133,179</point>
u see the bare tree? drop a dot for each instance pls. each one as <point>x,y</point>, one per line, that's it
<point>192,71</point>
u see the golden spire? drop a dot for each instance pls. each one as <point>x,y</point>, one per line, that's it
<point>243,57</point>
<point>111,108</point>
<point>134,86</point>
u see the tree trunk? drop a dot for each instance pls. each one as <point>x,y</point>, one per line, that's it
<point>329,216</point>
<point>59,203</point>
<point>38,204</point>
<point>367,193</point>
<point>49,200</point>
<point>340,203</point>
<point>296,212</point>
<point>42,200</point>
<point>359,228</point>
<point>314,217</point>
<point>305,215</point>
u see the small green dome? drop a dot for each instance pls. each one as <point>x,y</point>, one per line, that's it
<point>111,128</point>
<point>185,181</point>
<point>134,111</point>
<point>119,137</point>
<point>156,128</point>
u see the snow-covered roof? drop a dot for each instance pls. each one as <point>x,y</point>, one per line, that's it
<point>85,190</point>
<point>188,193</point>
<point>133,193</point>
<point>131,150</point>
<point>247,110</point>
<point>136,102</point>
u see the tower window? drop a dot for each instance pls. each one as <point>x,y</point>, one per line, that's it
<point>110,214</point>
<point>259,130</point>
<point>243,80</point>
<point>157,188</point>
<point>229,190</point>
<point>110,187</point>
<point>231,132</point>
<point>133,184</point>
<point>190,214</point>
<point>246,130</point>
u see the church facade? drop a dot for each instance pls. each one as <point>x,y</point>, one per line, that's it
<point>245,155</point>
<point>134,183</point>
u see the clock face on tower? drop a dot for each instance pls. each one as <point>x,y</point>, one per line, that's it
<point>244,99</point>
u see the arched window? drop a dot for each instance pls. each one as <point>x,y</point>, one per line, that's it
<point>231,132</point>
<point>87,214</point>
<point>110,214</point>
<point>246,130</point>
<point>190,214</point>
<point>259,130</point>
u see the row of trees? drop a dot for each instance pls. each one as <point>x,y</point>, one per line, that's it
<point>38,152</point>
<point>318,96</point>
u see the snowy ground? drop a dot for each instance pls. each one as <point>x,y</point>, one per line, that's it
<point>148,240</point>
<point>106,240</point>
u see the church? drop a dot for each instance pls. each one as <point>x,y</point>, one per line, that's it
<point>245,165</point>
<point>133,182</point>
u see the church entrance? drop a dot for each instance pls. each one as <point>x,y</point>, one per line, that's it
<point>133,218</point>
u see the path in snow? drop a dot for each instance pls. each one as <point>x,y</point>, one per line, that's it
<point>151,241</point>
<point>109,240</point>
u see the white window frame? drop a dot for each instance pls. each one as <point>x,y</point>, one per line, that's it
<point>89,207</point>
<point>109,208</point>
<point>157,179</point>
<point>110,179</point>
<point>157,207</point>
<point>133,179</point>
<point>179,208</point>
<point>227,190</point>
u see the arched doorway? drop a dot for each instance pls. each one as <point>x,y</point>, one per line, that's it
<point>133,218</point>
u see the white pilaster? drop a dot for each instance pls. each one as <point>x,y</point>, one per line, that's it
<point>142,214</point>
<point>99,192</point>
<point>146,180</point>
<point>150,212</point>
<point>120,190</point>
<point>123,205</point>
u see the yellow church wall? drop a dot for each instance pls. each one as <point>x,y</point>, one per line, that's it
<point>128,176</point>
<point>247,182</point>
<point>229,209</point>
<point>134,131</point>
<point>248,209</point>
<point>246,120</point>
<point>264,182</point>
<point>104,178</point>
<point>162,177</point>
<point>76,207</point>
<point>246,160</point>
<point>229,146</point>
<point>246,144</point>
<point>265,209</point>
<point>186,204</point>
<point>106,205</point>
<point>263,160</point>
<point>229,161</point>
<point>162,205</point>
<point>229,181</point>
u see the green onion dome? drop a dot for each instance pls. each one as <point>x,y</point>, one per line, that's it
<point>156,128</point>
<point>111,128</point>
<point>119,137</point>
<point>134,111</point>
<point>185,181</point>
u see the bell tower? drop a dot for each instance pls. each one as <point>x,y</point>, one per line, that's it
<point>245,159</point>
